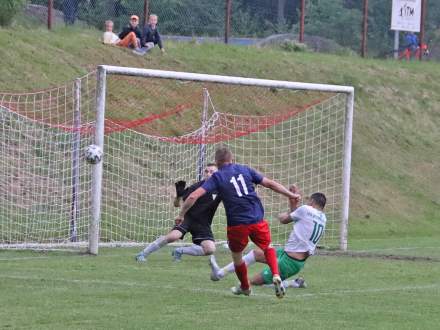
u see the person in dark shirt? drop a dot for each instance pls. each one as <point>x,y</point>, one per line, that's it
<point>131,34</point>
<point>150,36</point>
<point>234,183</point>
<point>197,222</point>
<point>70,11</point>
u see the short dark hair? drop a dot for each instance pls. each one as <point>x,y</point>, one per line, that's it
<point>319,199</point>
<point>211,164</point>
<point>223,155</point>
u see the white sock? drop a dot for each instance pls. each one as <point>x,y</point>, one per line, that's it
<point>249,259</point>
<point>229,268</point>
<point>156,245</point>
<point>292,284</point>
<point>286,284</point>
<point>193,250</point>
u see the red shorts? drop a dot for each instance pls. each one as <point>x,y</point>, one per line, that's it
<point>238,236</point>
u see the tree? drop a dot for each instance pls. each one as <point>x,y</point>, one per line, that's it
<point>280,7</point>
<point>8,10</point>
<point>332,20</point>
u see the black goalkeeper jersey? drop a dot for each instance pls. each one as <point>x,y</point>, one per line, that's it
<point>204,208</point>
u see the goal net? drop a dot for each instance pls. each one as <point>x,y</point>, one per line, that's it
<point>157,127</point>
<point>44,184</point>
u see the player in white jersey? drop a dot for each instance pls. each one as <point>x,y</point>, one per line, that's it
<point>309,223</point>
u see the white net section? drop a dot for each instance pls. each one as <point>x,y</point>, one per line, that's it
<point>45,184</point>
<point>305,147</point>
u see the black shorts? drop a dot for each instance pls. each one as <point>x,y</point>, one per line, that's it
<point>199,232</point>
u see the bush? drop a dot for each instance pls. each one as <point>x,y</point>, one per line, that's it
<point>292,46</point>
<point>8,9</point>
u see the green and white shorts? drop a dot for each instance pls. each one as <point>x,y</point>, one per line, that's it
<point>286,265</point>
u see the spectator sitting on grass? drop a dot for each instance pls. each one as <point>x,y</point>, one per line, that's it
<point>110,38</point>
<point>131,34</point>
<point>150,35</point>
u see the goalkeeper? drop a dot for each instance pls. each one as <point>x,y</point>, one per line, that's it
<point>197,222</point>
<point>309,224</point>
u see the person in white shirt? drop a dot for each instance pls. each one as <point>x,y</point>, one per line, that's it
<point>109,37</point>
<point>309,223</point>
<point>129,37</point>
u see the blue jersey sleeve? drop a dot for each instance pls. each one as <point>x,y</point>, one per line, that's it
<point>210,185</point>
<point>256,177</point>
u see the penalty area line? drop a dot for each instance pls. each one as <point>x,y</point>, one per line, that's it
<point>400,248</point>
<point>79,255</point>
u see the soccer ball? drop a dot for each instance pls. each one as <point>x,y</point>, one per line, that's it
<point>93,154</point>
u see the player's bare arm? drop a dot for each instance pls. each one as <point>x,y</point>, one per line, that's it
<point>284,217</point>
<point>294,203</point>
<point>279,188</point>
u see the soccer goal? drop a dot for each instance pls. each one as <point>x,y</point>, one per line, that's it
<point>156,127</point>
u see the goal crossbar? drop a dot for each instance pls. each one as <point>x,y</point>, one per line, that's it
<point>231,80</point>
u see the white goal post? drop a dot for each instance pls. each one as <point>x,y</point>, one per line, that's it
<point>102,75</point>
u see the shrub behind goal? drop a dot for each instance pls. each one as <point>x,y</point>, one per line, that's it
<point>50,196</point>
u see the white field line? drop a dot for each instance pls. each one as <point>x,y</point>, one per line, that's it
<point>398,248</point>
<point>291,295</point>
<point>23,258</point>
<point>65,256</point>
<point>393,239</point>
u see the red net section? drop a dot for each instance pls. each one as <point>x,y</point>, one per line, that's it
<point>164,108</point>
<point>170,108</point>
<point>223,127</point>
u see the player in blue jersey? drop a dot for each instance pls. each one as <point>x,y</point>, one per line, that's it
<point>234,183</point>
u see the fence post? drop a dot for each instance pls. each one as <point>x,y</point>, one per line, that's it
<point>422,29</point>
<point>301,21</point>
<point>396,44</point>
<point>364,30</point>
<point>228,20</point>
<point>146,11</point>
<point>49,14</point>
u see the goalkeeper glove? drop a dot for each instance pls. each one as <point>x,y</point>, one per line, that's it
<point>180,188</point>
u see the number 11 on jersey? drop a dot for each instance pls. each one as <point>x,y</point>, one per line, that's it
<point>235,181</point>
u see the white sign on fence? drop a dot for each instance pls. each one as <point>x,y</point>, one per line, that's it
<point>406,15</point>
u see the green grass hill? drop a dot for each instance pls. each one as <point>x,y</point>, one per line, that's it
<point>396,149</point>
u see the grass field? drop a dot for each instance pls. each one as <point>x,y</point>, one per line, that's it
<point>66,290</point>
<point>389,279</point>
